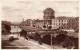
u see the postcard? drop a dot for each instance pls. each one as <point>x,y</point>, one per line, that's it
<point>40,24</point>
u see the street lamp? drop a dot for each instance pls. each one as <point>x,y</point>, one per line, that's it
<point>51,40</point>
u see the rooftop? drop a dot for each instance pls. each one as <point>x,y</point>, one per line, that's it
<point>48,9</point>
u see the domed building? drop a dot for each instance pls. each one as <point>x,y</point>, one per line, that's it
<point>61,22</point>
<point>49,13</point>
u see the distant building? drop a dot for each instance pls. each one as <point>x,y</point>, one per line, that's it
<point>27,22</point>
<point>73,24</point>
<point>58,22</point>
<point>67,23</point>
<point>49,14</point>
<point>49,19</point>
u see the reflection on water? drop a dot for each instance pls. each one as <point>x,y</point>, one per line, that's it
<point>15,29</point>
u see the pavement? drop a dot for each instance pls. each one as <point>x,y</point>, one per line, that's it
<point>22,43</point>
<point>45,46</point>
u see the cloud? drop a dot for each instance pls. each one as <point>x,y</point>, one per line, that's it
<point>19,9</point>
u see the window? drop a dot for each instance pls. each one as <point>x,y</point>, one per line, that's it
<point>62,23</point>
<point>50,18</point>
<point>59,23</point>
<point>54,23</point>
<point>59,20</point>
<point>63,27</point>
<point>38,26</point>
<point>54,20</point>
<point>67,27</point>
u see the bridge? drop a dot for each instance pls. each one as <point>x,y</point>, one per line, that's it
<point>43,32</point>
<point>47,35</point>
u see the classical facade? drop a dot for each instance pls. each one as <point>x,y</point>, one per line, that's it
<point>41,23</point>
<point>47,19</point>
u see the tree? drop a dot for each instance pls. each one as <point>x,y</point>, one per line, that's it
<point>68,43</point>
<point>37,36</point>
<point>50,27</point>
<point>44,26</point>
<point>46,39</point>
<point>60,38</point>
<point>23,33</point>
<point>7,27</point>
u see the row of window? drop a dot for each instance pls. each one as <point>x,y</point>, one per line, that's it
<point>48,14</point>
<point>68,27</point>
<point>63,27</point>
<point>58,23</point>
<point>64,24</point>
<point>59,20</point>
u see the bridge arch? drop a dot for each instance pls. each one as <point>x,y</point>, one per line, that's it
<point>46,39</point>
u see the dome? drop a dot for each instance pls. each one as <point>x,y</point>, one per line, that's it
<point>48,13</point>
<point>48,9</point>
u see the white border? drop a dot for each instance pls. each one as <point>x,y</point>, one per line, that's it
<point>42,49</point>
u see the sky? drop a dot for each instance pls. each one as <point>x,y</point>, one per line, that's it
<point>16,10</point>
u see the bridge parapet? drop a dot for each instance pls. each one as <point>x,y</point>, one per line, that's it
<point>54,34</point>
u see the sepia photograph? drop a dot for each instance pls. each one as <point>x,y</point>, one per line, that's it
<point>40,24</point>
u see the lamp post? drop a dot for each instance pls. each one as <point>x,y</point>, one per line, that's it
<point>51,39</point>
<point>51,34</point>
